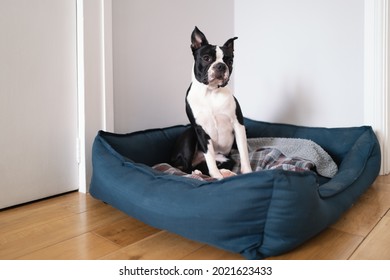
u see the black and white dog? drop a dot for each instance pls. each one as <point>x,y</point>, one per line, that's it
<point>214,113</point>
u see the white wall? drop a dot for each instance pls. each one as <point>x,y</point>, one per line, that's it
<point>152,59</point>
<point>301,61</point>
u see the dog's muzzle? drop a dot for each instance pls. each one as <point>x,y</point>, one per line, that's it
<point>219,74</point>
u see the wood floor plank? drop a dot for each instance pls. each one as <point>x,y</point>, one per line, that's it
<point>83,247</point>
<point>385,179</point>
<point>331,244</point>
<point>44,211</point>
<point>36,213</point>
<point>377,244</point>
<point>161,246</point>
<point>211,253</point>
<point>20,243</point>
<point>126,231</point>
<point>368,210</point>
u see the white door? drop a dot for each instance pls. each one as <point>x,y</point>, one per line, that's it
<point>38,99</point>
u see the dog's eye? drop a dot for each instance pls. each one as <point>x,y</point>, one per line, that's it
<point>206,58</point>
<point>229,62</point>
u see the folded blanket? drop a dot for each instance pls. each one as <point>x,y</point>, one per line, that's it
<point>271,158</point>
<point>168,169</point>
<point>274,153</point>
<point>296,148</point>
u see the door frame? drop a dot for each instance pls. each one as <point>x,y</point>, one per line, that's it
<point>95,79</point>
<point>376,74</point>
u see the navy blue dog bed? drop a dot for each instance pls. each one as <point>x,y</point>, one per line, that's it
<point>259,214</point>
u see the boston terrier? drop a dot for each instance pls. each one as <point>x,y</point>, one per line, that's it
<point>214,113</point>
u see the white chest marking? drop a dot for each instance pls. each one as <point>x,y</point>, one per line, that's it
<point>214,110</point>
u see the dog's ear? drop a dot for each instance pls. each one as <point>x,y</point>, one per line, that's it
<point>230,44</point>
<point>197,39</point>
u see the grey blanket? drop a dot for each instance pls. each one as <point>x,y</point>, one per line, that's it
<point>298,148</point>
<point>273,153</point>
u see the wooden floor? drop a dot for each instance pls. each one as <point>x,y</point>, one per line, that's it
<point>76,226</point>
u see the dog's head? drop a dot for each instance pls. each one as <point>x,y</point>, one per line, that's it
<point>213,64</point>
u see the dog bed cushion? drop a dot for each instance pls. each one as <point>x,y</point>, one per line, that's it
<point>259,214</point>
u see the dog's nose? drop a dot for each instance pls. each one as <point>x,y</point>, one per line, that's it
<point>220,66</point>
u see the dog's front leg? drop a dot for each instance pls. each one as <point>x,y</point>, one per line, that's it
<point>242,145</point>
<point>211,162</point>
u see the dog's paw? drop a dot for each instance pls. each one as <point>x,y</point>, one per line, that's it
<point>245,170</point>
<point>216,175</point>
<point>227,173</point>
<point>197,172</point>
